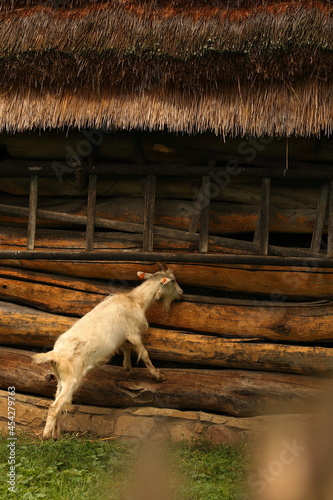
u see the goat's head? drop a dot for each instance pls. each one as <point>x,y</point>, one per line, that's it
<point>168,289</point>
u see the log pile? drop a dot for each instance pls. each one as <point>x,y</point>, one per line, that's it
<point>261,355</point>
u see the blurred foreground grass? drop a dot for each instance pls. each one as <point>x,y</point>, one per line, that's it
<point>77,467</point>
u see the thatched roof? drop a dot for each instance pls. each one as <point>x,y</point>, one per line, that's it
<point>234,67</point>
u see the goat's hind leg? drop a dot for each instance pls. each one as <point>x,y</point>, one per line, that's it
<point>127,363</point>
<point>68,382</point>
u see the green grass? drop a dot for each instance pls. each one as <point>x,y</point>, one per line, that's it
<point>79,468</point>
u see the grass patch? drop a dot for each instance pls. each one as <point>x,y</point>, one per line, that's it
<point>79,468</point>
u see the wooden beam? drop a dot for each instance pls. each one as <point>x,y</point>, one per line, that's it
<point>91,211</point>
<point>320,218</point>
<point>297,170</point>
<point>32,215</point>
<point>330,223</point>
<point>128,256</point>
<point>149,213</point>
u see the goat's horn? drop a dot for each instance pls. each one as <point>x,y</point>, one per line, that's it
<point>161,266</point>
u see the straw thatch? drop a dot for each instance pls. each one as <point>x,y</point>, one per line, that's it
<point>234,67</point>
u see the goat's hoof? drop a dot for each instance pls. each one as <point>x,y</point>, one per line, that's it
<point>129,373</point>
<point>160,377</point>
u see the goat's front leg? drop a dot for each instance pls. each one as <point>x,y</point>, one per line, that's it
<point>143,354</point>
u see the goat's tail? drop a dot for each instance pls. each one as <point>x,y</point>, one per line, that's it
<point>42,357</point>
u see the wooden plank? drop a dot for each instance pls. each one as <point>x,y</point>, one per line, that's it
<point>264,216</point>
<point>330,223</point>
<point>91,212</point>
<point>320,218</point>
<point>149,213</point>
<point>233,392</point>
<point>32,216</point>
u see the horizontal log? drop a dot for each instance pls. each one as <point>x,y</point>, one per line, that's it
<point>240,190</point>
<point>173,258</point>
<point>266,320</point>
<point>54,239</point>
<point>263,168</point>
<point>131,227</point>
<point>224,218</point>
<point>231,392</point>
<point>291,278</point>
<point>15,239</point>
<point>22,326</point>
<point>170,345</point>
<point>159,147</point>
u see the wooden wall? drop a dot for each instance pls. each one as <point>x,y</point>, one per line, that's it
<point>247,338</point>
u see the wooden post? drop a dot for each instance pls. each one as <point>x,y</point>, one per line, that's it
<point>80,178</point>
<point>204,219</point>
<point>91,211</point>
<point>149,213</point>
<point>202,200</point>
<point>320,218</point>
<point>256,237</point>
<point>32,218</point>
<point>330,223</point>
<point>262,229</point>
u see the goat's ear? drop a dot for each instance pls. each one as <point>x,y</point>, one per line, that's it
<point>143,276</point>
<point>164,281</point>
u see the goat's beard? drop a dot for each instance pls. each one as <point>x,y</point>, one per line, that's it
<point>166,304</point>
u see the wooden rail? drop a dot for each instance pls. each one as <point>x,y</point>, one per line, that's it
<point>199,227</point>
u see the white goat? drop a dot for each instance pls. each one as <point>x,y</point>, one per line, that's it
<point>116,323</point>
